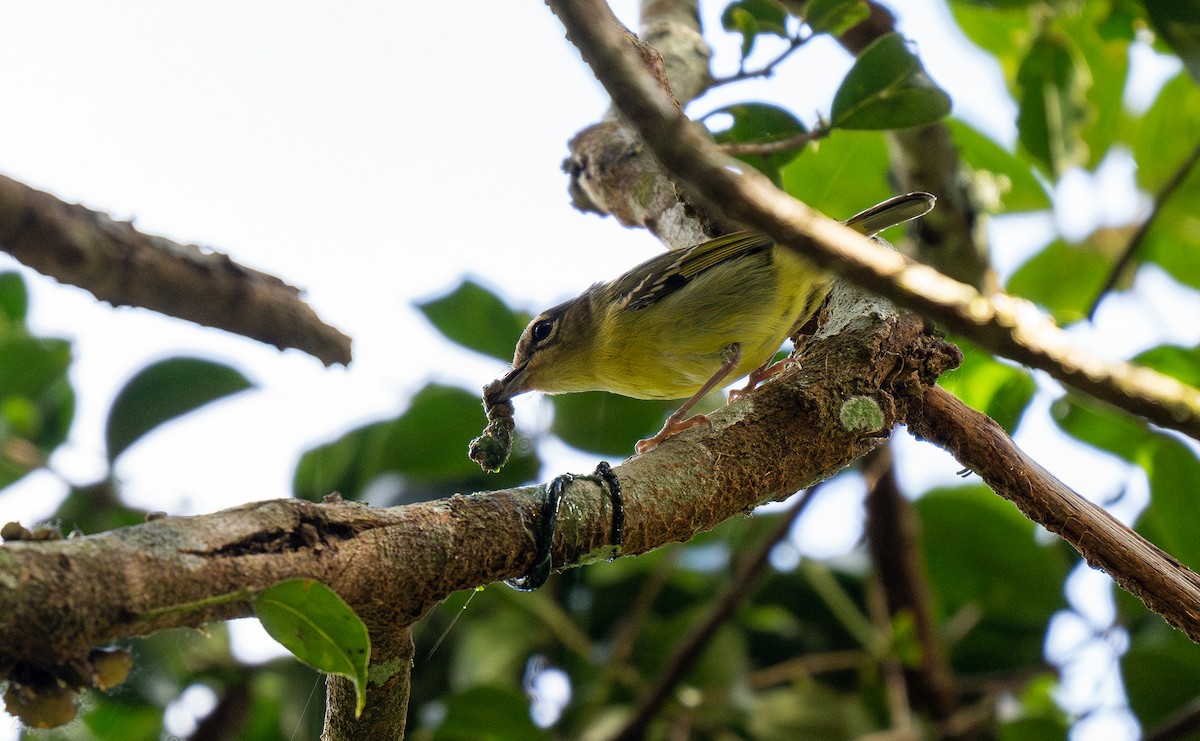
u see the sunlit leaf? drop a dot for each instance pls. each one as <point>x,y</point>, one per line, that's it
<point>841,175</point>
<point>1167,132</point>
<point>1178,362</point>
<point>1062,278</point>
<point>835,16</point>
<point>1053,81</point>
<point>1010,177</point>
<point>319,628</point>
<point>760,123</point>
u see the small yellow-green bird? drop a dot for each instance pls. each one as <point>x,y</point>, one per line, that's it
<point>684,322</point>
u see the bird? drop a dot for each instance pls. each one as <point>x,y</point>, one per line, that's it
<point>684,322</point>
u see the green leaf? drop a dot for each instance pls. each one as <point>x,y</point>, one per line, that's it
<point>887,88</point>
<point>1178,362</point>
<point>1012,178</point>
<point>606,423</point>
<point>1002,30</point>
<point>1173,242</point>
<point>1063,279</point>
<point>841,175</point>
<point>477,319</point>
<point>1178,21</point>
<point>14,299</point>
<point>1106,60</point>
<point>1173,472</point>
<point>974,572</point>
<point>37,402</point>
<point>807,711</point>
<point>1161,669</point>
<point>835,17</point>
<point>488,713</point>
<point>163,391</point>
<point>426,465</point>
<point>760,123</point>
<point>319,628</point>
<point>1102,426</point>
<point>1167,133</point>
<point>1053,82</point>
<point>753,17</point>
<point>999,390</point>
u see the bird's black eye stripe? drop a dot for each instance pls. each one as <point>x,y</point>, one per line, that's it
<point>543,330</point>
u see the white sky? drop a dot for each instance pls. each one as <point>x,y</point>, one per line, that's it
<point>372,154</point>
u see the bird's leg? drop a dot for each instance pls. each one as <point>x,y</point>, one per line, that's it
<point>760,374</point>
<point>676,422</point>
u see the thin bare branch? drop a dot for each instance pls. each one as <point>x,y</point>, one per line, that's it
<point>120,265</point>
<point>1137,565</point>
<point>1135,242</point>
<point>768,69</point>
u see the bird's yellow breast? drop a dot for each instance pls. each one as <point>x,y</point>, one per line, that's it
<point>668,350</point>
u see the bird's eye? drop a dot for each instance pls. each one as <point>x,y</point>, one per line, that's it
<point>542,330</point>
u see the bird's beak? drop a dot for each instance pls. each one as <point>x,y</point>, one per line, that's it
<point>512,383</point>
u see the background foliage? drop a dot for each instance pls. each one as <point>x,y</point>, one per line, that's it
<point>805,656</point>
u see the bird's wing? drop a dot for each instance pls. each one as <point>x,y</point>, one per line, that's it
<point>650,282</point>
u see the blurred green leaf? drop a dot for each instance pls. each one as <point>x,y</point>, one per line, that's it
<point>999,390</point>
<point>1107,63</point>
<point>1178,21</point>
<point>477,319</point>
<point>835,17</point>
<point>1102,426</point>
<point>753,17</point>
<point>14,299</point>
<point>111,718</point>
<point>1063,279</point>
<point>887,88</point>
<point>841,175</point>
<point>606,423</point>
<point>1173,472</point>
<point>1000,29</point>
<point>1182,363</point>
<point>760,123</point>
<point>807,711</point>
<point>163,391</point>
<point>1173,242</point>
<point>426,446</point>
<point>1013,179</point>
<point>1161,670</point>
<point>488,713</point>
<point>1053,81</point>
<point>37,402</point>
<point>973,571</point>
<point>1167,133</point>
<point>319,628</point>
